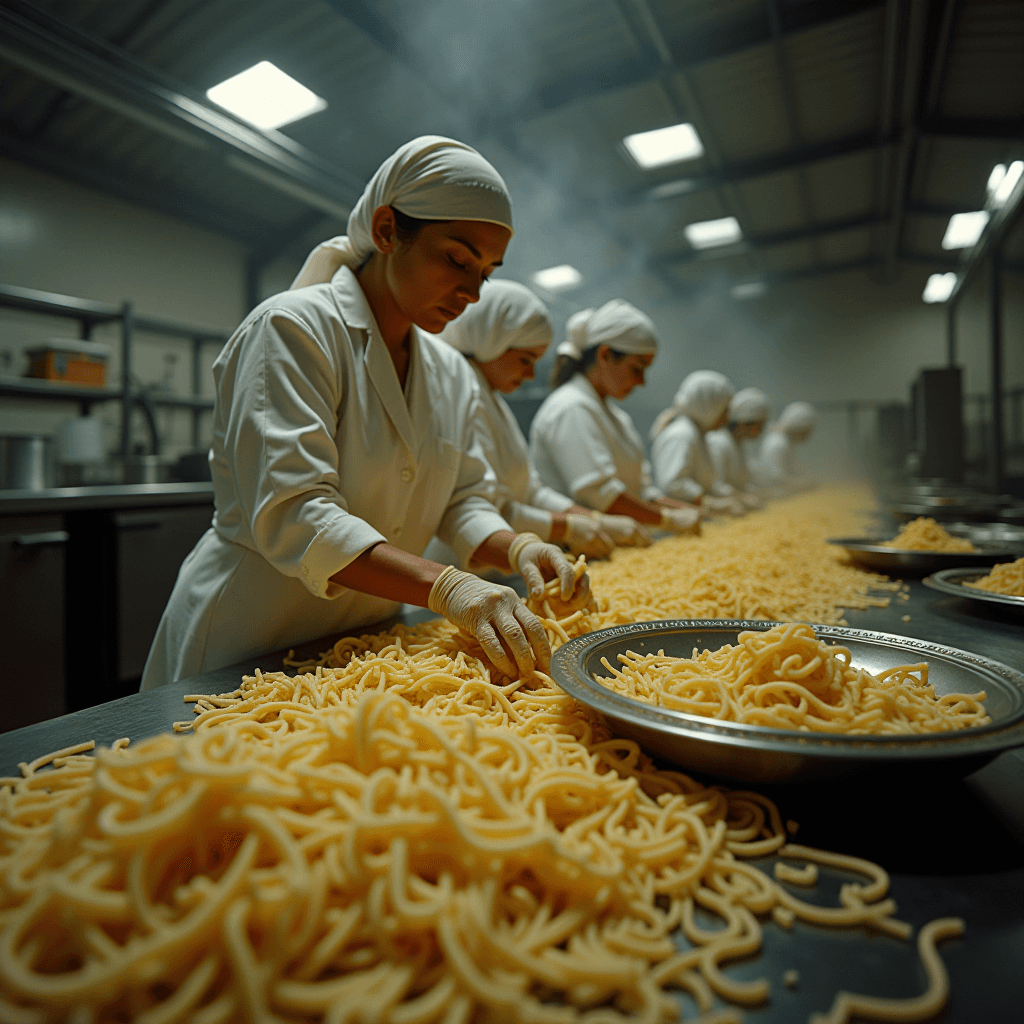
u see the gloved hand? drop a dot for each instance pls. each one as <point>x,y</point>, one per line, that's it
<point>728,505</point>
<point>750,500</point>
<point>680,520</point>
<point>529,556</point>
<point>492,613</point>
<point>584,536</point>
<point>624,531</point>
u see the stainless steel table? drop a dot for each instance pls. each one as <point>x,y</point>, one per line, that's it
<point>953,847</point>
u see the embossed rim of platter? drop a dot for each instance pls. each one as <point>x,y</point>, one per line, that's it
<point>946,583</point>
<point>886,557</point>
<point>567,670</point>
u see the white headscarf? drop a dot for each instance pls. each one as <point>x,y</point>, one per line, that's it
<point>703,396</point>
<point>617,324</point>
<point>508,315</point>
<point>748,406</point>
<point>795,417</point>
<point>430,178</point>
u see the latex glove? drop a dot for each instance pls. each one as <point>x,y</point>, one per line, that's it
<point>680,520</point>
<point>728,505</point>
<point>624,531</point>
<point>530,556</point>
<point>492,613</point>
<point>584,536</point>
<point>751,501</point>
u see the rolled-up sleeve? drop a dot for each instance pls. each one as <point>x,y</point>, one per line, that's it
<point>279,445</point>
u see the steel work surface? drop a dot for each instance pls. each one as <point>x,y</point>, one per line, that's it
<point>953,847</point>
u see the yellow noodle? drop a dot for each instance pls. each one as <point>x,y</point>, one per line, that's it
<point>786,678</point>
<point>924,534</point>
<point>1007,578</point>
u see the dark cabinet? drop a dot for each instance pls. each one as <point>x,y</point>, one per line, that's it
<point>32,563</point>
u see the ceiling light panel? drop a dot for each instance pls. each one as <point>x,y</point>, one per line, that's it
<point>558,279</point>
<point>664,146</point>
<point>939,287</point>
<point>964,229</point>
<point>1003,188</point>
<point>706,234</point>
<point>266,97</point>
<point>748,290</point>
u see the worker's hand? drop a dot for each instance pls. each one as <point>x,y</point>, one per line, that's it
<point>729,505</point>
<point>492,613</point>
<point>680,520</point>
<point>624,531</point>
<point>535,560</point>
<point>584,536</point>
<point>751,501</point>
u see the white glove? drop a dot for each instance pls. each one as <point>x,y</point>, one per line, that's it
<point>680,520</point>
<point>624,531</point>
<point>529,555</point>
<point>492,613</point>
<point>584,536</point>
<point>729,505</point>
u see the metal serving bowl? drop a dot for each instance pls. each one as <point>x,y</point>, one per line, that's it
<point>873,553</point>
<point>760,754</point>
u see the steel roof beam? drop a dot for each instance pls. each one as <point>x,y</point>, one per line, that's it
<point>697,48</point>
<point>33,39</point>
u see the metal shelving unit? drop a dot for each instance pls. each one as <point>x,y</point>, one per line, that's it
<point>89,314</point>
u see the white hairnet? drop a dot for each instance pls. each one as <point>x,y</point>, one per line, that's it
<point>617,324</point>
<point>703,396</point>
<point>748,406</point>
<point>508,315</point>
<point>430,178</point>
<point>796,416</point>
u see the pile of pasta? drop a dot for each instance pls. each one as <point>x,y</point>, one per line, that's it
<point>773,565</point>
<point>786,678</point>
<point>1007,578</point>
<point>924,534</point>
<point>400,834</point>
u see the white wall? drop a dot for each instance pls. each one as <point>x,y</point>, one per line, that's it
<point>62,238</point>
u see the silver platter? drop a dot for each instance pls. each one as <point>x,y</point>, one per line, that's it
<point>872,552</point>
<point>759,754</point>
<point>951,581</point>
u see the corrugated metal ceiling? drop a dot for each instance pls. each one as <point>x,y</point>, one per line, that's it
<point>792,119</point>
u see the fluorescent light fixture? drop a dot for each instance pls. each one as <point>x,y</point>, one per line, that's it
<point>964,229</point>
<point>706,234</point>
<point>1003,188</point>
<point>266,97</point>
<point>939,287</point>
<point>997,175</point>
<point>748,290</point>
<point>558,279</point>
<point>664,146</point>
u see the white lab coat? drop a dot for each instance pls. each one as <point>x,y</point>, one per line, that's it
<point>682,463</point>
<point>728,459</point>
<point>776,464</point>
<point>317,456</point>
<point>516,487</point>
<point>588,448</point>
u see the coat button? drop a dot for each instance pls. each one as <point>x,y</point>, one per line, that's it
<point>407,475</point>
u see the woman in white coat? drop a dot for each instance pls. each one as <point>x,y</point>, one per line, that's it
<point>777,464</point>
<point>503,336</point>
<point>679,453</point>
<point>581,443</point>
<point>344,440</point>
<point>748,410</point>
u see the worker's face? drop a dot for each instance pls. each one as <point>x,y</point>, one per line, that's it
<point>616,377</point>
<point>508,371</point>
<point>748,431</point>
<point>434,277</point>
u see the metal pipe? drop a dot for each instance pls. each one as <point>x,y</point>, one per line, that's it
<point>197,387</point>
<point>951,334</point>
<point>996,342</point>
<point>126,382</point>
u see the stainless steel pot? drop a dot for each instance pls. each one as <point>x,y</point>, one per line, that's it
<point>25,462</point>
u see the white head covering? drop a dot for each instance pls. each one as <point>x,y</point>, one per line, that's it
<point>430,178</point>
<point>796,416</point>
<point>508,315</point>
<point>703,396</point>
<point>748,406</point>
<point>617,324</point>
